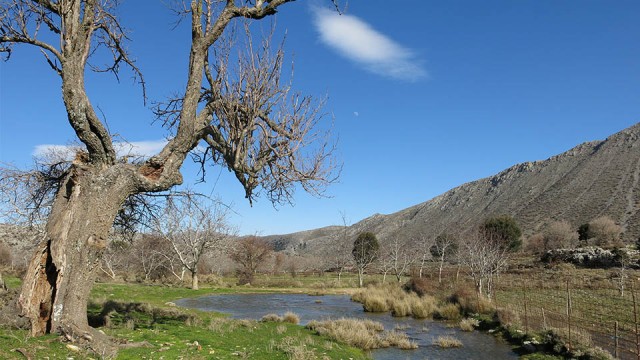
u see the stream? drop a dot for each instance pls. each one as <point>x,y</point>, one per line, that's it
<point>476,345</point>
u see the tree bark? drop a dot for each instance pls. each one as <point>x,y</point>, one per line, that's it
<point>194,280</point>
<point>61,273</point>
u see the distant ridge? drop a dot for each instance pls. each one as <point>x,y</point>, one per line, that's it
<point>592,179</point>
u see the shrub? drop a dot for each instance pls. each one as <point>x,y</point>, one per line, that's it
<point>605,231</point>
<point>471,302</point>
<point>420,286</point>
<point>560,235</point>
<point>447,342</point>
<point>503,229</point>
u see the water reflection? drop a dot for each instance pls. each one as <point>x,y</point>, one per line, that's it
<point>254,306</point>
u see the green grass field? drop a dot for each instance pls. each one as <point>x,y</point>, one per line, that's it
<point>140,313</point>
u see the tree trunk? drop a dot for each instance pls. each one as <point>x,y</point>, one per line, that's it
<point>360,277</point>
<point>61,273</point>
<point>194,280</point>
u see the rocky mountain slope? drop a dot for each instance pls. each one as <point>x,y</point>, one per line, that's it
<point>592,179</point>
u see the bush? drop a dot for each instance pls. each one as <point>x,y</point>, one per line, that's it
<point>471,302</point>
<point>420,286</point>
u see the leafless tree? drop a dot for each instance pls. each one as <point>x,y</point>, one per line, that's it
<point>250,253</point>
<point>243,118</point>
<point>560,235</point>
<point>384,262</point>
<point>444,248</point>
<point>114,258</point>
<point>422,247</point>
<point>401,255</point>
<point>193,227</point>
<point>605,232</point>
<point>485,255</point>
<point>338,252</point>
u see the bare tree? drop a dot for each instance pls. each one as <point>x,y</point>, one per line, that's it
<point>422,246</point>
<point>193,227</point>
<point>485,254</point>
<point>384,263</point>
<point>401,255</point>
<point>244,119</point>
<point>339,250</point>
<point>250,253</point>
<point>444,248</point>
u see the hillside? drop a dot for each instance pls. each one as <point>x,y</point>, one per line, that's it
<point>592,179</point>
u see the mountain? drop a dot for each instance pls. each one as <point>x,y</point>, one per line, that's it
<point>592,179</point>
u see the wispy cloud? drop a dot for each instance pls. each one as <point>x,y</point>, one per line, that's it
<point>133,149</point>
<point>358,41</point>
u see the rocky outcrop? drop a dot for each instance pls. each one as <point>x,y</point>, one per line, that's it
<point>594,257</point>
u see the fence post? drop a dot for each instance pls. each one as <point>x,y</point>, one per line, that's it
<point>615,337</point>
<point>526,317</point>
<point>635,319</point>
<point>569,312</point>
<point>544,320</point>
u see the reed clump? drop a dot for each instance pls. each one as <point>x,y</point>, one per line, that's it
<point>363,334</point>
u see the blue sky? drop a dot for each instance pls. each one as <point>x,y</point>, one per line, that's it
<point>424,95</point>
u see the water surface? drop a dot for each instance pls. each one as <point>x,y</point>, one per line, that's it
<point>476,345</point>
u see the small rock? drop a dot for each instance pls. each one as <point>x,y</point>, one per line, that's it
<point>73,347</point>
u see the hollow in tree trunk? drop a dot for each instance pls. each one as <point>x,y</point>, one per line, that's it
<point>61,273</point>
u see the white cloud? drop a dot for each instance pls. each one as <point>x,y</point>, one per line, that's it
<point>358,41</point>
<point>134,149</point>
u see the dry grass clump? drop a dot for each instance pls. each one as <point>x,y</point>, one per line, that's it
<point>469,324</point>
<point>448,311</point>
<point>288,317</point>
<point>401,307</point>
<point>374,303</point>
<point>423,307</point>
<point>446,342</point>
<point>291,318</point>
<point>271,318</point>
<point>508,317</point>
<point>363,334</point>
<point>400,340</point>
<point>296,348</point>
<point>578,337</point>
<point>393,298</point>
<point>471,302</point>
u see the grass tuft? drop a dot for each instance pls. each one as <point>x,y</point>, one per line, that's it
<point>446,342</point>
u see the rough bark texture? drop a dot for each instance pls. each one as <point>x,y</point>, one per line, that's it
<point>59,278</point>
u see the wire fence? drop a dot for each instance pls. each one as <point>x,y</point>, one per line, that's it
<point>584,311</point>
